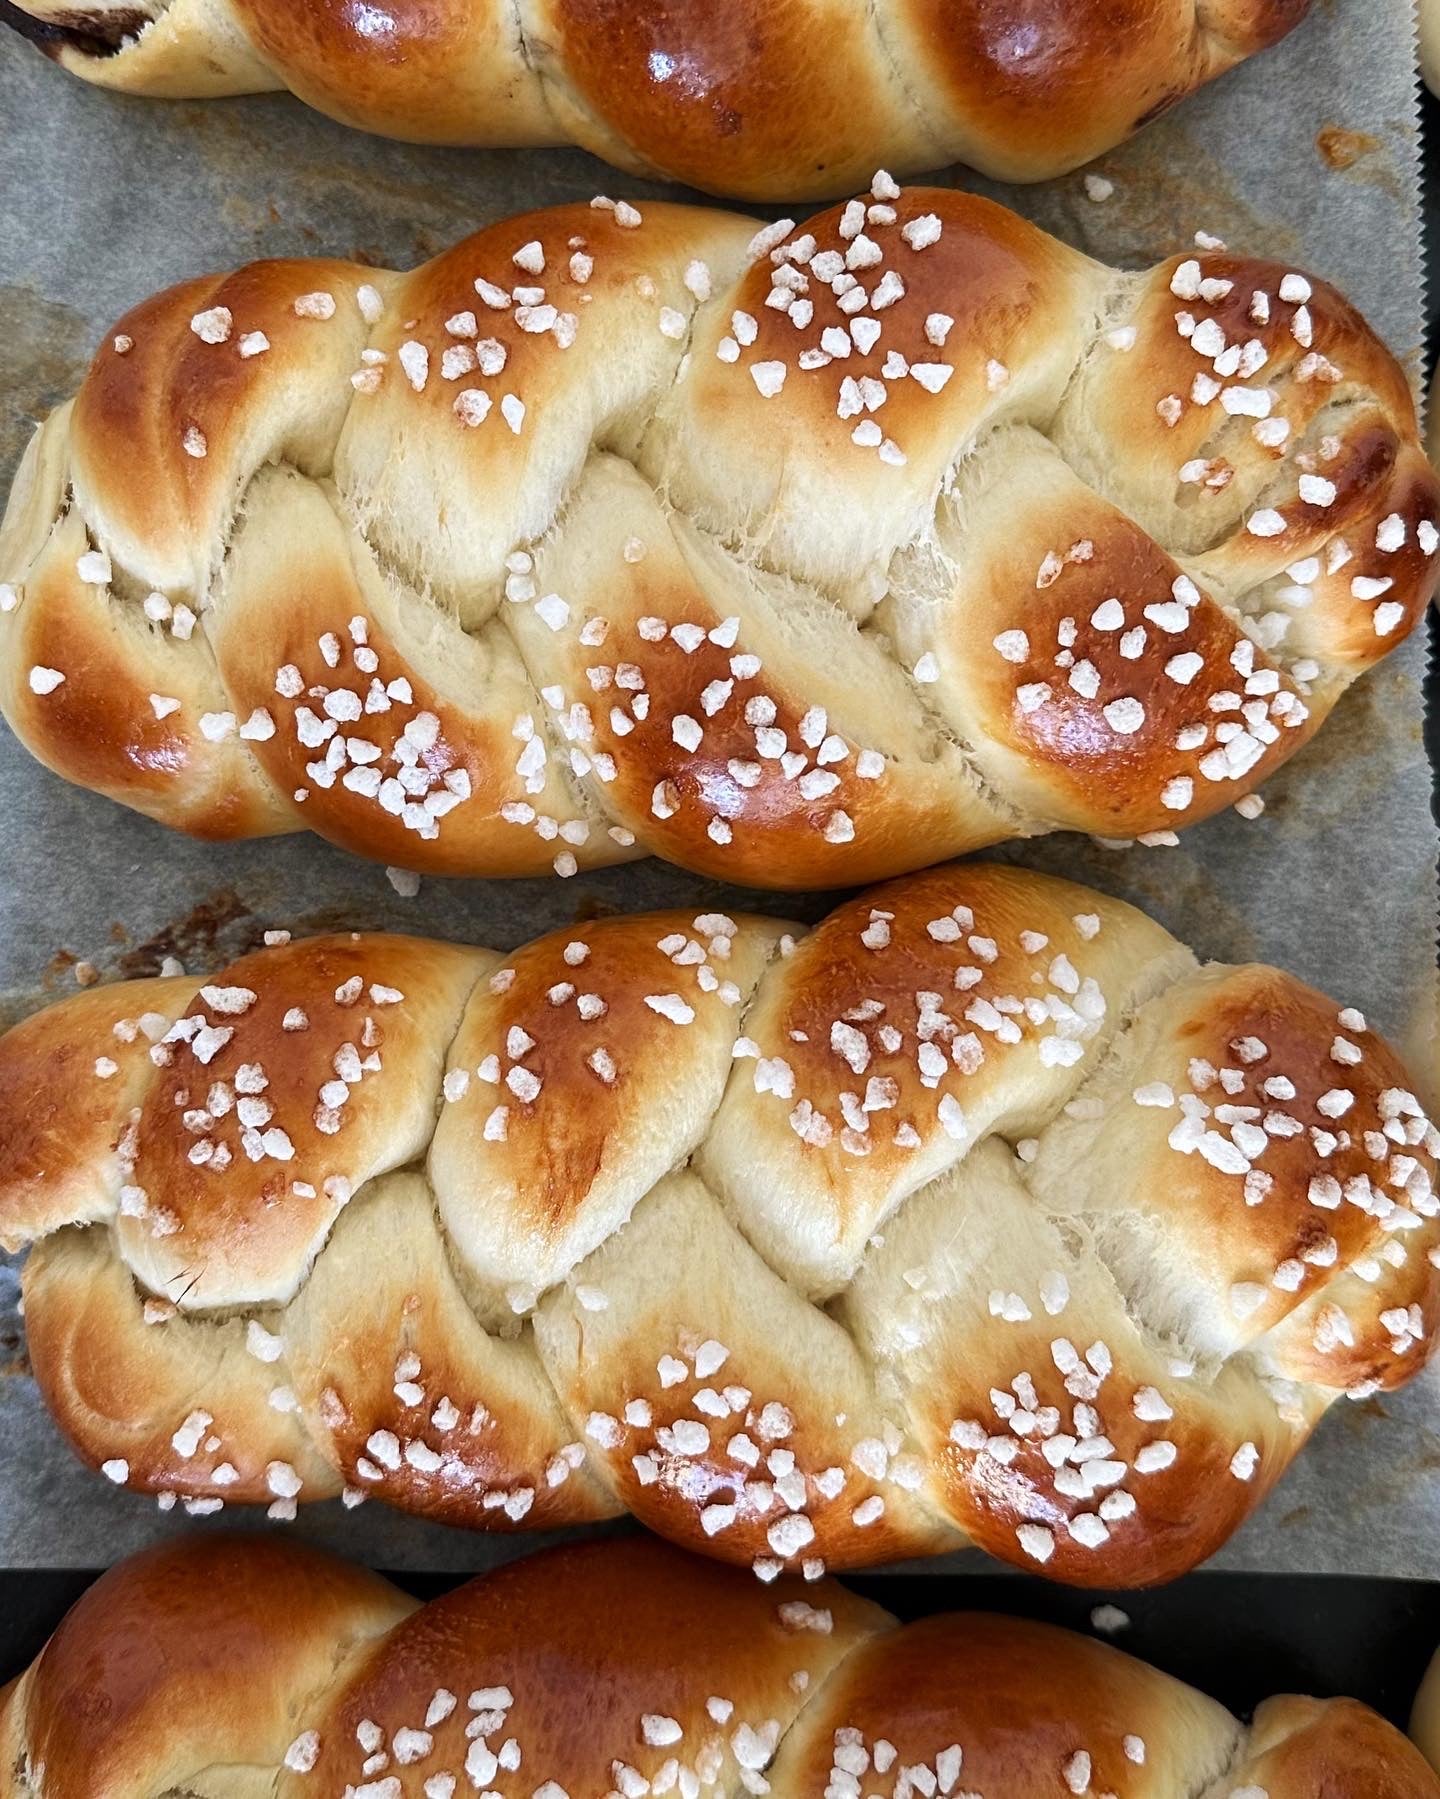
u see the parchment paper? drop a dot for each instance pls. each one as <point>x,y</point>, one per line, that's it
<point>1309,153</point>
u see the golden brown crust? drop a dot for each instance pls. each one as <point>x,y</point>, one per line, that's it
<point>889,774</point>
<point>432,73</point>
<point>695,1414</point>
<point>62,1113</point>
<point>485,1437</point>
<point>1085,651</point>
<point>577,1701</point>
<point>797,559</point>
<point>172,1663</point>
<point>1314,1749</point>
<point>976,1214</point>
<point>611,1667</point>
<point>761,98</point>
<point>1030,90</point>
<point>597,1020</point>
<point>1257,425</point>
<point>141,1402</point>
<point>274,1101</point>
<point>970,1679</point>
<point>102,728</point>
<point>156,380</point>
<point>954,287</point>
<point>1111,1472</point>
<point>1292,1122</point>
<point>751,99</point>
<point>934,961</point>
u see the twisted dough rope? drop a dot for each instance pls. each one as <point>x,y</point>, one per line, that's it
<point>981,1213</point>
<point>259,1670</point>
<point>768,99</point>
<point>799,558</point>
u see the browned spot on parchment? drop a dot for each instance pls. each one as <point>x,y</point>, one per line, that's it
<point>197,936</point>
<point>1342,149</point>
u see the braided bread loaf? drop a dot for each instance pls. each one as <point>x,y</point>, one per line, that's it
<point>979,1214</point>
<point>235,1669</point>
<point>719,581</point>
<point>767,99</point>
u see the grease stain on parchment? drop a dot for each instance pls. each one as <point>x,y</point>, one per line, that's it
<point>1341,149</point>
<point>218,927</point>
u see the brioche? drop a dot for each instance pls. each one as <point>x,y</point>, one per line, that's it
<point>606,533</point>
<point>247,1669</point>
<point>765,99</point>
<point>980,1214</point>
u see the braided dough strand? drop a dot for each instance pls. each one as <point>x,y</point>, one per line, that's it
<point>240,1669</point>
<point>978,1214</point>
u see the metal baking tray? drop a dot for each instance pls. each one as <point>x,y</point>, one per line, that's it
<point>1317,1634</point>
<point>1309,153</point>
